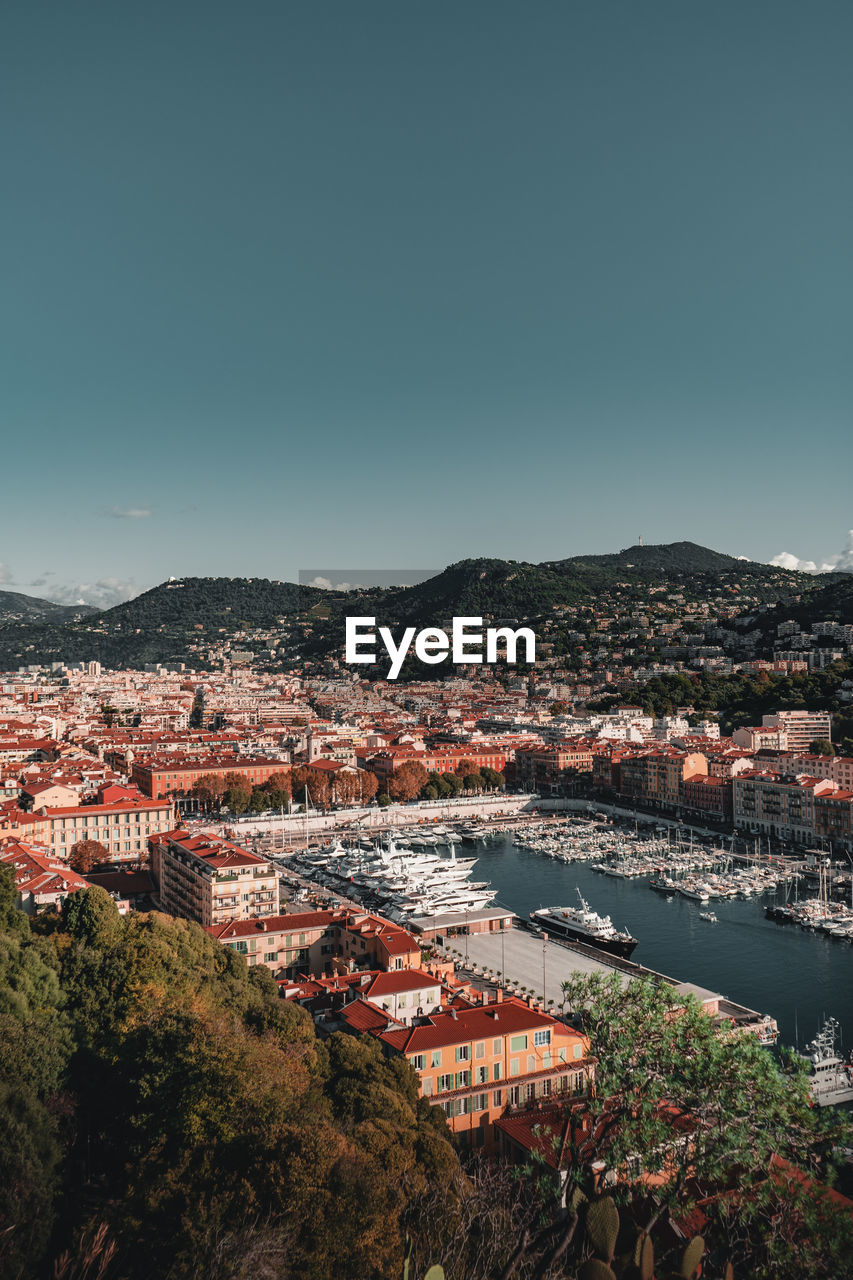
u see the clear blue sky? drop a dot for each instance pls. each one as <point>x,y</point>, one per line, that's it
<point>386,284</point>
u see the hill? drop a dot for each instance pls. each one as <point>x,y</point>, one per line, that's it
<point>16,607</point>
<point>665,558</point>
<point>184,620</point>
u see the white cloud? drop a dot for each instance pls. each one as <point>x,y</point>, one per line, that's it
<point>125,513</point>
<point>103,593</point>
<point>843,562</point>
<point>327,585</point>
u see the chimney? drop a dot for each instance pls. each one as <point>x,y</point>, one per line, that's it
<point>499,995</point>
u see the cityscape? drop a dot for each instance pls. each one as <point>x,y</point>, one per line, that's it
<point>369,844</point>
<point>480,908</point>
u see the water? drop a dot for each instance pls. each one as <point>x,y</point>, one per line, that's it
<point>795,975</point>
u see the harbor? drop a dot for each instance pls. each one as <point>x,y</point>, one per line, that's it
<point>713,925</point>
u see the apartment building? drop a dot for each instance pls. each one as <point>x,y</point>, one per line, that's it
<point>802,728</point>
<point>434,760</point>
<point>41,879</point>
<point>211,880</point>
<point>475,1062</point>
<point>123,828</point>
<point>551,770</point>
<point>708,797</point>
<point>164,776</point>
<point>784,807</point>
<point>838,768</point>
<point>656,777</point>
<point>766,737</point>
<point>319,942</point>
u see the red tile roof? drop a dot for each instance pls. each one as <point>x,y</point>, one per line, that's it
<point>478,1023</point>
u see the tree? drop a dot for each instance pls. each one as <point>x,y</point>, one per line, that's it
<point>473,781</point>
<point>383,800</point>
<point>238,792</point>
<point>492,777</point>
<point>558,708</point>
<point>368,785</point>
<point>278,788</point>
<point>454,784</point>
<point>259,801</point>
<point>319,788</point>
<point>85,855</point>
<point>465,766</point>
<point>91,916</point>
<point>821,747</point>
<point>676,1099</point>
<point>407,782</point>
<point>347,787</point>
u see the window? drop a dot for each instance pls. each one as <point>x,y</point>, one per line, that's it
<point>427,1085</point>
<point>578,1052</point>
<point>480,1102</point>
<point>497,1098</point>
<point>463,1079</point>
<point>497,1046</point>
<point>531,1062</point>
<point>542,1037</point>
<point>418,1061</point>
<point>402,1001</point>
<point>516,1043</point>
<point>498,1070</point>
<point>530,1092</point>
<point>463,1053</point>
<point>482,1075</point>
<point>514,1068</point>
<point>242,947</point>
<point>443,1083</point>
<point>547,1059</point>
<point>480,1049</point>
<point>271,955</point>
<point>436,1057</point>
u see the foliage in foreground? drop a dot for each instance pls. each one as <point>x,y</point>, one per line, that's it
<point>161,1105</point>
<point>163,1113</point>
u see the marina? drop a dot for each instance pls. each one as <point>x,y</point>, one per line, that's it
<point>714,920</point>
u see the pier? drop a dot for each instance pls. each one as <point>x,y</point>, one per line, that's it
<point>538,967</point>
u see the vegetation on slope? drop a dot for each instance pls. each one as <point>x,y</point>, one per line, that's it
<point>163,623</point>
<point>160,1102</point>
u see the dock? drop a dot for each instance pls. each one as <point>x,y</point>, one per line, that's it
<point>523,959</point>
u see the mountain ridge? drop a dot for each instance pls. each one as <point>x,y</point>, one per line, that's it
<point>16,606</point>
<point>184,618</point>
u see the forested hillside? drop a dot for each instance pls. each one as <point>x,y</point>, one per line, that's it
<point>160,1106</point>
<point>175,620</point>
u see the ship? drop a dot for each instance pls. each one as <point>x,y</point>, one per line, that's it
<point>663,884</point>
<point>582,924</point>
<point>831,1079</point>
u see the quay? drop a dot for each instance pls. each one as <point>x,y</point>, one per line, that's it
<point>520,958</point>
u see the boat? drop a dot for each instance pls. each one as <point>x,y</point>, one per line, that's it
<point>696,891</point>
<point>663,884</point>
<point>582,924</point>
<point>831,1078</point>
<point>708,915</point>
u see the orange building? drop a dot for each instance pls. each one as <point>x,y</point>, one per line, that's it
<point>475,1062</point>
<point>163,776</point>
